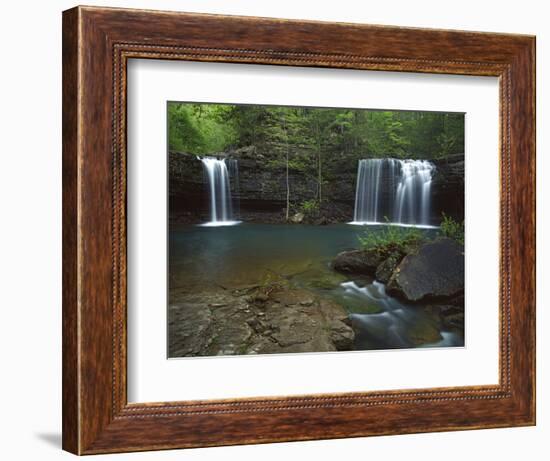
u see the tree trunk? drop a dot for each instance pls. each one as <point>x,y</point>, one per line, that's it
<point>287,181</point>
<point>287,188</point>
<point>319,166</point>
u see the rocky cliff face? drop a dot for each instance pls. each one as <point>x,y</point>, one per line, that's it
<point>448,187</point>
<point>186,188</point>
<point>260,193</point>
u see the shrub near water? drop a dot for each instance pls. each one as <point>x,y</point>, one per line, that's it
<point>391,239</point>
<point>309,207</point>
<point>452,229</point>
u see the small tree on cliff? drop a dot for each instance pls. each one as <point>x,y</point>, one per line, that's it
<point>287,167</point>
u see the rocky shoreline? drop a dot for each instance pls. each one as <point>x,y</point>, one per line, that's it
<point>256,320</point>
<point>296,312</point>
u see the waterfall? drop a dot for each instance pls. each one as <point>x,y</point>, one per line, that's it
<point>371,204</point>
<point>414,192</point>
<point>219,191</point>
<point>398,191</point>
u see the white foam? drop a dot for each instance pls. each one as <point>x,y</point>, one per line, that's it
<point>372,223</point>
<point>219,223</point>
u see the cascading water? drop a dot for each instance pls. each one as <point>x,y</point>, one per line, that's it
<point>219,191</point>
<point>414,192</point>
<point>398,191</point>
<point>371,203</point>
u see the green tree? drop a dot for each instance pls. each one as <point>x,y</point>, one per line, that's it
<point>319,141</point>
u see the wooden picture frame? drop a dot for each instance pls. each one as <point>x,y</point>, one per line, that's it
<point>97,43</point>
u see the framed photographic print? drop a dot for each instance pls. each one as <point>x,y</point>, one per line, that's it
<point>264,255</point>
<point>285,230</point>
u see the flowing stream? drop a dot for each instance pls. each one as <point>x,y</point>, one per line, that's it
<point>393,191</point>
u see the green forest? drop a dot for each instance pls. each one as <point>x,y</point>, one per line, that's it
<point>311,133</point>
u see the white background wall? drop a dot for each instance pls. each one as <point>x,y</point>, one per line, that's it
<point>30,228</point>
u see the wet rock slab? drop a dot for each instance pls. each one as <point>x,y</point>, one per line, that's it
<point>268,320</point>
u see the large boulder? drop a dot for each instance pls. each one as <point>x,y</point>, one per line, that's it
<point>363,262</point>
<point>435,270</point>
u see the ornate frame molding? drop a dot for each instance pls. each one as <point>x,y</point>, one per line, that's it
<point>97,43</point>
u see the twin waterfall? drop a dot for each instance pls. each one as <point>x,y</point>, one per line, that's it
<point>388,191</point>
<point>398,191</point>
<point>219,190</point>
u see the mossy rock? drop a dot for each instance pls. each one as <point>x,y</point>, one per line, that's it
<point>358,306</point>
<point>425,332</point>
<point>385,269</point>
<point>362,262</point>
<point>319,279</point>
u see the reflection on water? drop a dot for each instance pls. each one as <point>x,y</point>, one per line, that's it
<point>250,254</point>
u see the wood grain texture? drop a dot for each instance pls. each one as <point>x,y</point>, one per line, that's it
<point>70,383</point>
<point>97,43</point>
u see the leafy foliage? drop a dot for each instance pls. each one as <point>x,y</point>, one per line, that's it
<point>355,133</point>
<point>390,239</point>
<point>452,229</point>
<point>397,239</point>
<point>199,128</point>
<point>309,207</point>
